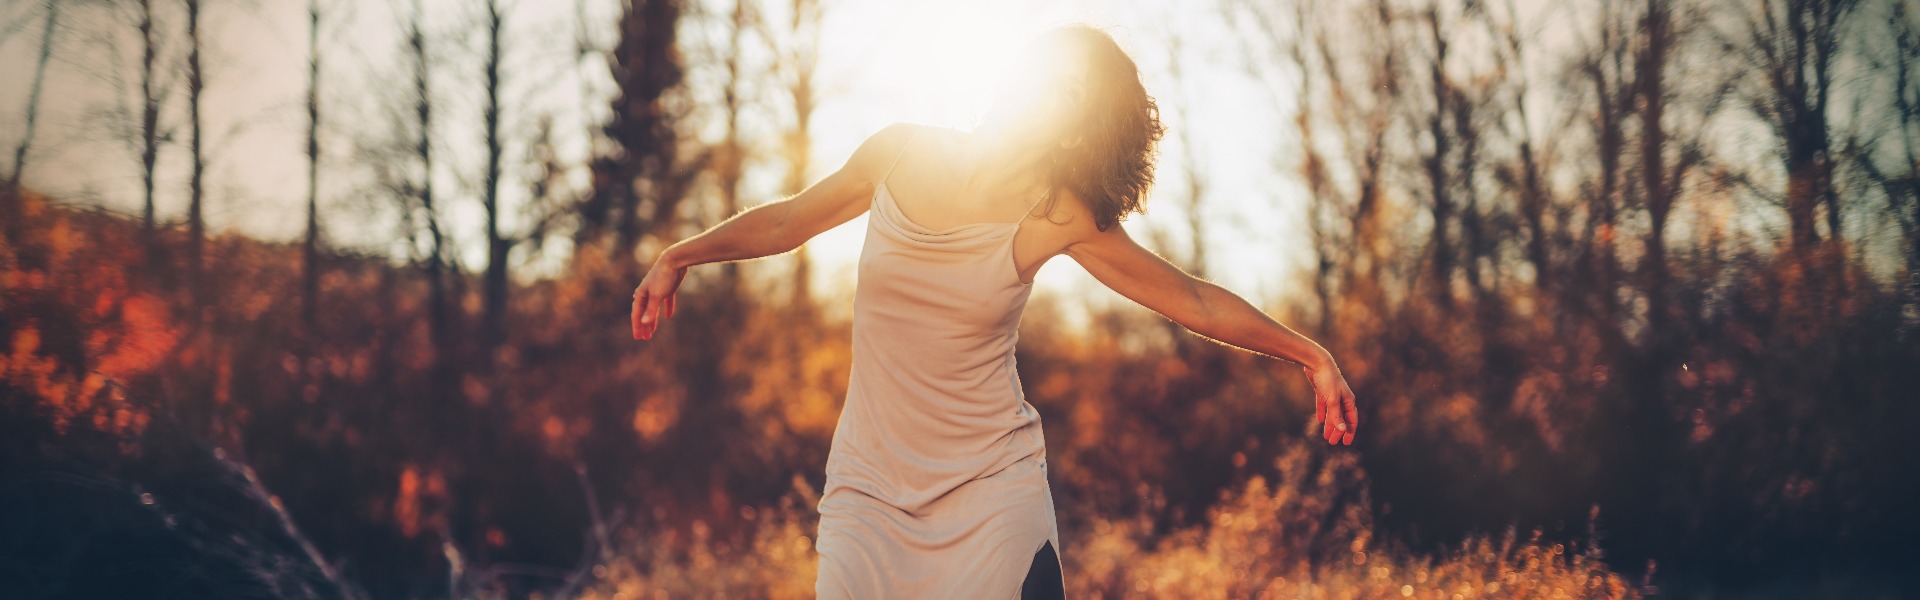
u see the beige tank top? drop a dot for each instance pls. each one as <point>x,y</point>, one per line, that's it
<point>936,478</point>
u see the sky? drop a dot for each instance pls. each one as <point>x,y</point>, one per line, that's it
<point>882,61</point>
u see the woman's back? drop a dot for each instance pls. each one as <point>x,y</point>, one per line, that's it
<point>936,449</point>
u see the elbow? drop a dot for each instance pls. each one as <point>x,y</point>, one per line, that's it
<point>1202,316</point>
<point>1215,329</point>
<point>785,235</point>
<point>789,238</point>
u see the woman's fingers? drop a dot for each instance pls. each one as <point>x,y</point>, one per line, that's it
<point>1326,411</point>
<point>1352,418</point>
<point>1320,412</point>
<point>648,309</point>
<point>1330,423</point>
<point>644,308</point>
<point>638,295</point>
<point>646,314</point>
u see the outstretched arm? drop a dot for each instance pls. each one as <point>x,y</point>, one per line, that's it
<point>768,229</point>
<point>1207,309</point>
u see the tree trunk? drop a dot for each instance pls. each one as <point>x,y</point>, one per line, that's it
<point>1650,85</point>
<point>149,113</point>
<point>638,188</point>
<point>310,251</point>
<point>1606,74</point>
<point>196,218</point>
<point>33,93</point>
<point>10,201</point>
<point>1441,207</point>
<point>1795,50</point>
<point>439,319</point>
<point>495,288</point>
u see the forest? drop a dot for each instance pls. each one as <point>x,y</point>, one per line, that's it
<point>1628,291</point>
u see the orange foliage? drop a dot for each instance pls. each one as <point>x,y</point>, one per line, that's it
<point>104,334</point>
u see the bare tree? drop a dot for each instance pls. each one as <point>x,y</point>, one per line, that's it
<point>32,116</point>
<point>640,178</point>
<point>1525,174</point>
<point>439,317</point>
<point>1605,70</point>
<point>1347,103</point>
<point>1470,100</point>
<point>196,186</point>
<point>1667,153</point>
<point>1905,23</point>
<point>150,109</point>
<point>551,199</point>
<point>10,191</point>
<point>1659,186</point>
<point>1298,46</point>
<point>1893,166</point>
<point>1440,136</point>
<point>1794,44</point>
<point>310,249</point>
<point>495,288</point>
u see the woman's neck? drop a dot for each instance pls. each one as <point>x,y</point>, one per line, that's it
<point>996,155</point>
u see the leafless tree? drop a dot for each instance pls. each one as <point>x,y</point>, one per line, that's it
<point>1525,174</point>
<point>150,109</point>
<point>1605,70</point>
<point>639,173</point>
<point>310,248</point>
<point>1795,43</point>
<point>50,19</point>
<point>495,287</point>
<point>9,196</point>
<point>196,183</point>
<point>439,308</point>
<point>1440,189</point>
<point>1886,150</point>
<point>1668,152</point>
<point>1346,109</point>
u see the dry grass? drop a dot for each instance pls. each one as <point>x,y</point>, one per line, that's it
<point>1303,532</point>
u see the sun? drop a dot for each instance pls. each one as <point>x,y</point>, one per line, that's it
<point>933,62</point>
<point>941,61</point>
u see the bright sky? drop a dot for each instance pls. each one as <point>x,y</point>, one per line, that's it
<point>882,61</point>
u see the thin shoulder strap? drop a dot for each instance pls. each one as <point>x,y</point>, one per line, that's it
<point>1044,196</point>
<point>903,152</point>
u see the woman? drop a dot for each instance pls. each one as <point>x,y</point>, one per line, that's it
<point>936,481</point>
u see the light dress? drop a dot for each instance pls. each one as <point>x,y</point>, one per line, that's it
<point>936,480</point>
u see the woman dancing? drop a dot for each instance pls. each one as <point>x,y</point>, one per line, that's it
<point>936,481</point>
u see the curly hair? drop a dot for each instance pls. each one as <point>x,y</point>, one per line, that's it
<point>1111,168</point>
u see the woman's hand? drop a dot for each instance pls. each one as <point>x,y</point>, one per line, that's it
<point>1113,258</point>
<point>654,299</point>
<point>1333,405</point>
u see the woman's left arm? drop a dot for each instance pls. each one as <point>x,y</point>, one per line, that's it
<point>768,229</point>
<point>1114,258</point>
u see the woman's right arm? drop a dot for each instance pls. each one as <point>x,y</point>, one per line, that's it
<point>768,229</point>
<point>1113,258</point>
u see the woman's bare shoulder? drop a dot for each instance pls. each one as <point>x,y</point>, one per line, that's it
<point>877,152</point>
<point>1070,214</point>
